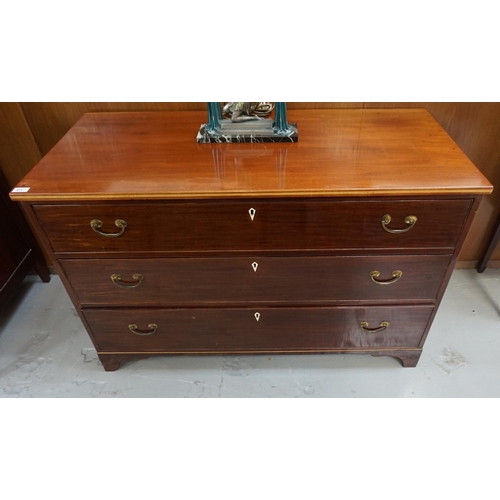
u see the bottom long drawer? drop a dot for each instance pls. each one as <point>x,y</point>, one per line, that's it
<point>261,329</point>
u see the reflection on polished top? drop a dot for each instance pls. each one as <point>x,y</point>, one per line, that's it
<point>154,155</point>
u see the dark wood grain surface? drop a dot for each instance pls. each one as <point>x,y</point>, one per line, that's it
<point>228,226</point>
<point>278,329</point>
<point>254,279</point>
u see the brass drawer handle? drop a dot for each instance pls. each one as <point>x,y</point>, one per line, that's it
<point>396,276</point>
<point>383,325</point>
<point>134,329</point>
<point>95,224</point>
<point>386,220</point>
<point>117,280</point>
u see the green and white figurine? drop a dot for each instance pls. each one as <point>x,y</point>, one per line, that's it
<point>247,122</point>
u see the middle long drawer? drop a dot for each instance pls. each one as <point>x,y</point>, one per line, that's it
<point>254,279</point>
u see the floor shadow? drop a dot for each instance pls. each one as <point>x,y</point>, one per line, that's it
<point>9,309</point>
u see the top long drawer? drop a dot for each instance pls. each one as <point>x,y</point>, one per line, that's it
<point>254,225</point>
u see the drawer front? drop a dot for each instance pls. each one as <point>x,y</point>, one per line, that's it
<point>264,329</point>
<point>254,279</point>
<point>253,225</point>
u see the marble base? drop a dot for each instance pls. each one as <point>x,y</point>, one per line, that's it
<point>245,133</point>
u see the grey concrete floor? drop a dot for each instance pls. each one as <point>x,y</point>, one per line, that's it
<point>45,352</point>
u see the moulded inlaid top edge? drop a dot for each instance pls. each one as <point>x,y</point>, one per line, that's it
<point>246,194</point>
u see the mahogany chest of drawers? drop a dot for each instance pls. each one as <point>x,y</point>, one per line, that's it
<point>343,242</point>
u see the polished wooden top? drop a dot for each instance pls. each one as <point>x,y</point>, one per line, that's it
<point>126,156</point>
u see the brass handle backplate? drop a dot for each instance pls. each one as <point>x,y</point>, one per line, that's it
<point>95,224</point>
<point>117,280</point>
<point>152,329</point>
<point>396,276</point>
<point>383,325</point>
<point>386,220</point>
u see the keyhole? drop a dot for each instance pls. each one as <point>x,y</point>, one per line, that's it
<point>252,212</point>
<point>257,316</point>
<point>255,266</point>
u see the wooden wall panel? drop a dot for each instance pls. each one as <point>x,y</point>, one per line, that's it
<point>18,150</point>
<point>475,127</point>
